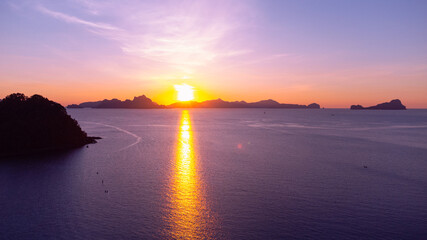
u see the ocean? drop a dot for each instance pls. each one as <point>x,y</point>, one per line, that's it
<point>225,174</point>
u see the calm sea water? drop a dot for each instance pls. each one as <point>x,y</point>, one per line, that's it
<point>226,174</point>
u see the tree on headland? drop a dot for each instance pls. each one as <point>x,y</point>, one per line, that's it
<point>31,124</point>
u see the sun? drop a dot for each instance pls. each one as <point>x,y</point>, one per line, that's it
<point>185,92</point>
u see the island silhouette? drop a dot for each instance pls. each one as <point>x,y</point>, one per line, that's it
<point>395,104</point>
<point>144,102</point>
<point>137,102</point>
<point>36,124</point>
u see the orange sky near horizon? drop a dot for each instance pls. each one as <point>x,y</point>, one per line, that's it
<point>326,98</point>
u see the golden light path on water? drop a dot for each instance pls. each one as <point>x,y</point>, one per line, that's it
<point>189,216</point>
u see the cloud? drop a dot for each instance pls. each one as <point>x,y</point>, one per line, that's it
<point>184,34</point>
<point>72,19</point>
<point>257,60</point>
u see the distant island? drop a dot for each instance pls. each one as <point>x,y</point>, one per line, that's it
<point>219,103</point>
<point>144,102</point>
<point>137,102</point>
<point>36,124</point>
<point>395,104</point>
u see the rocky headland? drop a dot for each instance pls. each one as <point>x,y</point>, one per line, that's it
<point>36,124</point>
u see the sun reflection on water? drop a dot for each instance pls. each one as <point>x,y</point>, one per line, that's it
<point>188,215</point>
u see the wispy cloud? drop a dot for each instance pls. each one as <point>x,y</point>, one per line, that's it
<point>258,60</point>
<point>72,19</point>
<point>185,34</point>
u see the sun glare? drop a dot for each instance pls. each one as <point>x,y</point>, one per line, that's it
<point>185,92</point>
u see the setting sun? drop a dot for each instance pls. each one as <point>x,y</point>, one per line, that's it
<point>185,92</point>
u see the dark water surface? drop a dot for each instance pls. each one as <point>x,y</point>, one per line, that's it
<point>226,174</point>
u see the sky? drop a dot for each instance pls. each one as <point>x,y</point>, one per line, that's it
<point>332,52</point>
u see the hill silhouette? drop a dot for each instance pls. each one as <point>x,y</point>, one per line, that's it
<point>219,103</point>
<point>145,102</point>
<point>37,124</point>
<point>395,104</point>
<point>137,102</point>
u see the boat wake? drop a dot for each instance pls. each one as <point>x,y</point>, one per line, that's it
<point>138,138</point>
